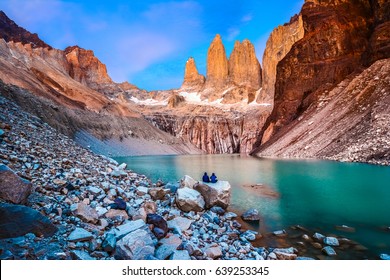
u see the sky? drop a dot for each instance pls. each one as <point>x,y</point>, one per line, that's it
<point>148,42</point>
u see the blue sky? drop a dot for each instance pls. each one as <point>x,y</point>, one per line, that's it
<point>148,42</point>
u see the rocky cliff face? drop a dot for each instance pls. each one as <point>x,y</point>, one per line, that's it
<point>348,123</point>
<point>278,45</point>
<point>85,68</point>
<point>213,131</point>
<point>11,32</point>
<point>336,37</point>
<point>192,79</point>
<point>244,68</point>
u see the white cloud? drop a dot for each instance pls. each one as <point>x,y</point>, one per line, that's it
<point>247,18</point>
<point>233,32</point>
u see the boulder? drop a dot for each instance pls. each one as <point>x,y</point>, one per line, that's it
<point>385,257</point>
<point>189,200</point>
<point>80,234</point>
<point>251,215</point>
<point>215,194</point>
<point>109,243</point>
<point>13,188</point>
<point>126,228</point>
<point>173,239</point>
<point>318,236</point>
<point>329,251</point>
<point>18,220</point>
<point>85,212</point>
<point>331,241</point>
<point>187,182</point>
<point>159,223</point>
<point>285,256</point>
<point>116,214</point>
<point>158,193</point>
<point>180,223</point>
<point>135,246</point>
<point>119,203</point>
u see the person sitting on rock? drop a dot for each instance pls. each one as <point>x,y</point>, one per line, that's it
<point>206,178</point>
<point>213,178</point>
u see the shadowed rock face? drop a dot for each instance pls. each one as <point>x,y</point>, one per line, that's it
<point>278,45</point>
<point>10,31</point>
<point>336,37</point>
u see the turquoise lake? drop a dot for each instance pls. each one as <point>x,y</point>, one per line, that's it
<point>318,195</point>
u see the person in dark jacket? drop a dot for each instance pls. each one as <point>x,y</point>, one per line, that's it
<point>213,178</point>
<point>206,178</point>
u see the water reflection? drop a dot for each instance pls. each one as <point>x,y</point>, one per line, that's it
<point>314,194</point>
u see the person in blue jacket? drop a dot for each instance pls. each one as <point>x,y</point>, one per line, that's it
<point>206,178</point>
<point>213,178</point>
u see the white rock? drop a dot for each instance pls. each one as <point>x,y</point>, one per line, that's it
<point>187,182</point>
<point>126,228</point>
<point>215,194</point>
<point>180,223</point>
<point>189,200</point>
<point>135,246</point>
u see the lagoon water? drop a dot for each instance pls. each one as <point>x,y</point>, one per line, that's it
<point>315,194</point>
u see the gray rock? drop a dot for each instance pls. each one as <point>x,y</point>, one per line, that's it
<point>180,255</point>
<point>174,239</point>
<point>280,233</point>
<point>164,251</point>
<point>189,200</point>
<point>331,241</point>
<point>135,246</point>
<point>81,255</point>
<point>94,190</point>
<point>304,259</point>
<point>385,257</point>
<point>249,235</point>
<point>329,251</point>
<point>109,243</point>
<point>318,236</point>
<point>80,234</point>
<point>142,190</point>
<point>214,252</point>
<point>272,256</point>
<point>128,227</point>
<point>180,223</point>
<point>230,215</point>
<point>118,173</point>
<point>13,188</point>
<point>122,166</point>
<point>215,194</point>
<point>251,215</point>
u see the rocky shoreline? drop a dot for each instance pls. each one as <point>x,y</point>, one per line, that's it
<point>83,206</point>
